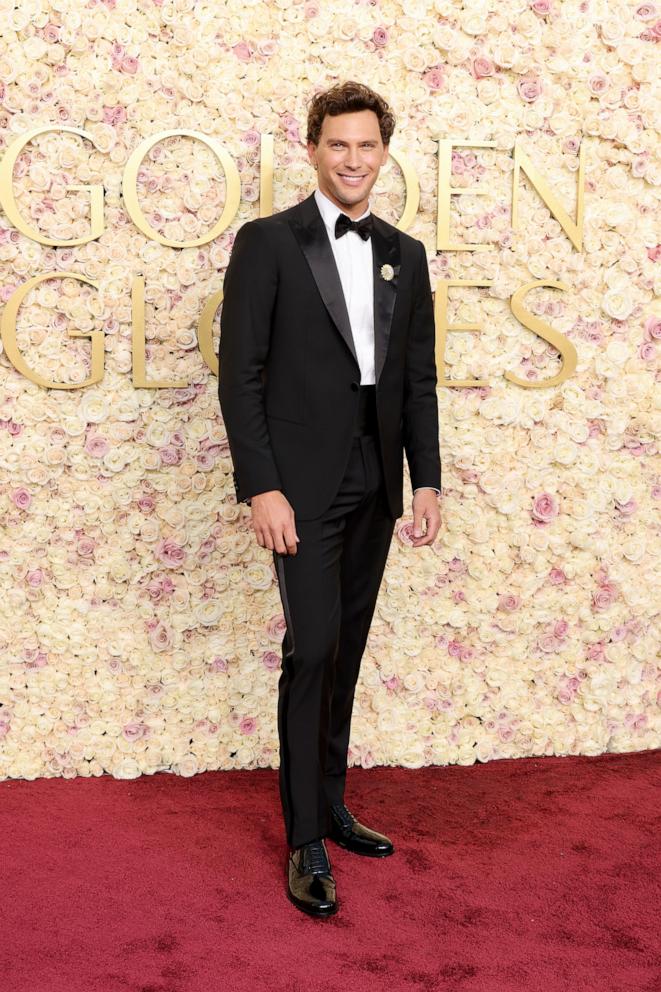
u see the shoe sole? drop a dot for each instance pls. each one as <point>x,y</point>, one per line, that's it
<point>363,854</point>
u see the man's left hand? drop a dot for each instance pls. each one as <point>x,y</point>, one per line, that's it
<point>425,507</point>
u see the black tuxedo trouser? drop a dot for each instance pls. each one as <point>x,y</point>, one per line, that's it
<point>328,592</point>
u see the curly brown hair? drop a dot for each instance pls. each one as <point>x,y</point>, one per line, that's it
<point>344,98</point>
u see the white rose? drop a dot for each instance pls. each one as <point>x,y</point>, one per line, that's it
<point>616,305</point>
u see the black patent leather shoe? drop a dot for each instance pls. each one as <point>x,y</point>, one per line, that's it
<point>311,883</point>
<point>349,833</point>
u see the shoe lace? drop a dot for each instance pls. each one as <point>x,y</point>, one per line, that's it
<point>315,857</point>
<point>344,815</point>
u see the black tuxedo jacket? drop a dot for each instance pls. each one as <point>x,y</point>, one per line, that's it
<point>289,377</point>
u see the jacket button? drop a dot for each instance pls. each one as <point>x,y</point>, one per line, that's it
<point>355,386</point>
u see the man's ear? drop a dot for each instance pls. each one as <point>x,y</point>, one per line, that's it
<point>311,147</point>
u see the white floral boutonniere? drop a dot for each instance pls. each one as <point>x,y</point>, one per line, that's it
<point>387,272</point>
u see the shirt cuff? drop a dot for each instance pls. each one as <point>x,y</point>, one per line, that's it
<point>437,491</point>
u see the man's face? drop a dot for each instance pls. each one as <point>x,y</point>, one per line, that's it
<point>348,157</point>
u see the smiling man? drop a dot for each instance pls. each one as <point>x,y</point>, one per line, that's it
<point>327,376</point>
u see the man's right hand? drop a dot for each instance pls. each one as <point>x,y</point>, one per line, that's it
<point>273,522</point>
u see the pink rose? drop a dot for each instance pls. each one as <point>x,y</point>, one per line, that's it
<point>653,33</point>
<point>96,446</point>
<point>218,664</point>
<point>129,64</point>
<point>51,33</point>
<point>434,78</point>
<point>276,627</point>
<point>597,84</point>
<point>242,51</point>
<point>652,328</point>
<point>170,553</point>
<point>541,7</point>
<point>170,455</point>
<point>545,508</point>
<point>85,547</point>
<point>380,37</point>
<point>160,637</point>
<point>509,602</point>
<point>205,460</point>
<point>654,254</point>
<point>248,725</point>
<point>595,652</point>
<point>405,533</point>
<point>35,578</point>
<point>529,88</point>
<point>557,577</point>
<point>207,547</point>
<point>481,67</point>
<point>548,643</point>
<point>292,133</point>
<point>134,731</point>
<point>21,498</point>
<point>646,11</point>
<point>6,291</point>
<point>604,597</point>
<point>114,115</point>
<point>271,661</point>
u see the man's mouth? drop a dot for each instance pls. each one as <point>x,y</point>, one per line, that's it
<point>352,180</point>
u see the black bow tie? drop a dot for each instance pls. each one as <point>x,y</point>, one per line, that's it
<point>362,227</point>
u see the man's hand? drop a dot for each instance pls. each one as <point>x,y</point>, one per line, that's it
<point>273,522</point>
<point>425,507</point>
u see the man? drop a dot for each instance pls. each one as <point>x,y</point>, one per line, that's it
<point>327,375</point>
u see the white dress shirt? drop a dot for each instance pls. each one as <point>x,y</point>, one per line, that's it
<point>353,258</point>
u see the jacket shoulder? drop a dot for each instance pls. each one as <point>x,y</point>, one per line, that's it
<point>273,221</point>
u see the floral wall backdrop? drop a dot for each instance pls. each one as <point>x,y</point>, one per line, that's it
<point>140,624</point>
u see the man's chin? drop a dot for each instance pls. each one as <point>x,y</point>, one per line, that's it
<point>351,196</point>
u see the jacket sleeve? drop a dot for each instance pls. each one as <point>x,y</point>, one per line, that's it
<point>420,407</point>
<point>250,289</point>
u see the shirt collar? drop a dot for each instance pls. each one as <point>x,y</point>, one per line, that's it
<point>330,211</point>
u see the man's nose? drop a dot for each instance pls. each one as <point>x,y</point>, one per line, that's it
<point>353,161</point>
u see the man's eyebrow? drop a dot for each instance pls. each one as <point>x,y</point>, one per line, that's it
<point>363,141</point>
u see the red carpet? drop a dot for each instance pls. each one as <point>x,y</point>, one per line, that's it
<point>512,876</point>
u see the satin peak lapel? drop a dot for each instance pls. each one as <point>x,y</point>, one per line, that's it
<point>310,232</point>
<point>385,251</point>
